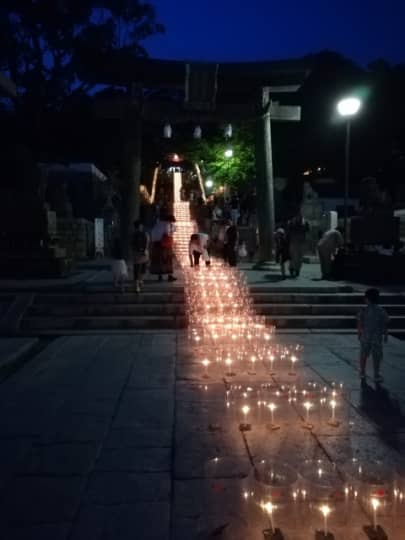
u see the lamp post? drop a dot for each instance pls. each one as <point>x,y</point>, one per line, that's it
<point>347,108</point>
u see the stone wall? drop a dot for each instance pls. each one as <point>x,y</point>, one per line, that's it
<point>77,237</point>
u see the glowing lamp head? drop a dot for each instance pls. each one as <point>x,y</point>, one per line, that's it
<point>272,407</point>
<point>375,503</point>
<point>333,403</point>
<point>209,183</point>
<point>205,363</point>
<point>228,153</point>
<point>349,106</point>
<point>308,405</point>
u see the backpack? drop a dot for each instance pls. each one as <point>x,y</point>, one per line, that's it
<point>140,242</point>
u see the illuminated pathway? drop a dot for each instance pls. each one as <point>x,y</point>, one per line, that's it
<point>267,438</point>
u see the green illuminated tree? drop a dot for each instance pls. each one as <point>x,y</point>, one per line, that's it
<point>234,171</point>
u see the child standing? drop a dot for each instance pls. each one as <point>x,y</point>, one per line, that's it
<point>372,329</point>
<point>119,266</point>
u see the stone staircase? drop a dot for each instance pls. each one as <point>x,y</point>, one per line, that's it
<point>317,309</point>
<point>322,309</point>
<point>93,312</point>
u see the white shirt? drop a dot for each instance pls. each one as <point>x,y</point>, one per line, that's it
<point>161,228</point>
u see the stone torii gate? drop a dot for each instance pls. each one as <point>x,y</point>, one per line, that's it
<point>221,93</point>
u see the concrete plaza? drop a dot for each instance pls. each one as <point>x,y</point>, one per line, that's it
<point>108,437</point>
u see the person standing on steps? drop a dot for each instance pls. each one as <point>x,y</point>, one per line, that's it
<point>161,262</point>
<point>140,254</point>
<point>119,266</point>
<point>328,246</point>
<point>231,244</point>
<point>282,249</point>
<point>296,231</point>
<point>372,331</point>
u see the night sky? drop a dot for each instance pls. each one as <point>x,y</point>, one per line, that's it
<point>229,30</point>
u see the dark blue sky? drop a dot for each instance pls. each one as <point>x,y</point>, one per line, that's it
<point>270,29</point>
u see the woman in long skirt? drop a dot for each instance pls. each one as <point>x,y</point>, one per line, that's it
<point>161,259</point>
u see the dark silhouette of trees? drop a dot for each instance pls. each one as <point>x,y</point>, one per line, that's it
<point>41,41</point>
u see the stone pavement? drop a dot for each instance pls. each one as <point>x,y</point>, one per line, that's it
<point>112,438</point>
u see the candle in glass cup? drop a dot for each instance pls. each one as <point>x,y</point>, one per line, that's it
<point>206,363</point>
<point>325,510</point>
<point>228,362</point>
<point>269,508</point>
<point>333,421</point>
<point>271,362</point>
<point>293,360</point>
<point>253,361</point>
<point>308,407</point>
<point>375,503</point>
<point>245,411</point>
<point>272,407</point>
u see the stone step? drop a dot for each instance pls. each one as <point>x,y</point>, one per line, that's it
<point>41,325</point>
<point>321,309</point>
<point>322,298</point>
<point>326,322</point>
<point>333,289</point>
<point>115,298</point>
<point>105,310</point>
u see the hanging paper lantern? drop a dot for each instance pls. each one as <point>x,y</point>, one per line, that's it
<point>197,132</point>
<point>228,131</point>
<point>167,131</point>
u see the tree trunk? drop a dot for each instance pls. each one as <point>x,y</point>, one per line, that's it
<point>131,173</point>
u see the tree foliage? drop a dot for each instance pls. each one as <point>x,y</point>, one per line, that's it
<point>41,40</point>
<point>234,171</point>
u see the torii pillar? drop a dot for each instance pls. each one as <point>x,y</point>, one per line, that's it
<point>264,165</point>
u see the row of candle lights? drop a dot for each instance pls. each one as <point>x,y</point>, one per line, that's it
<point>222,322</point>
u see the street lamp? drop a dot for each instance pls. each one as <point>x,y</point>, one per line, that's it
<point>209,183</point>
<point>228,153</point>
<point>347,108</point>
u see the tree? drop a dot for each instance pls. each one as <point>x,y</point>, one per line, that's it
<point>41,40</point>
<point>210,152</point>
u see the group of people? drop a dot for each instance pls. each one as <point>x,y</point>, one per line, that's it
<point>199,245</point>
<point>290,245</point>
<point>154,250</point>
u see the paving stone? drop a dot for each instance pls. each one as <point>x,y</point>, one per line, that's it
<point>76,428</point>
<point>151,409</point>
<point>11,349</point>
<point>135,460</point>
<point>142,521</point>
<point>153,372</point>
<point>38,532</point>
<point>36,499</point>
<point>103,408</point>
<point>60,460</point>
<point>107,488</point>
<point>139,438</point>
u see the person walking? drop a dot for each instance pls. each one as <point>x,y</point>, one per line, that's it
<point>197,247</point>
<point>161,262</point>
<point>235,209</point>
<point>282,249</point>
<point>140,254</point>
<point>328,246</point>
<point>296,231</point>
<point>119,266</point>
<point>372,331</point>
